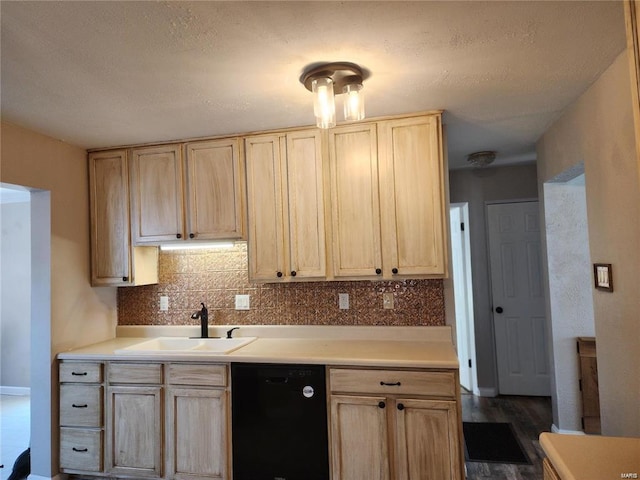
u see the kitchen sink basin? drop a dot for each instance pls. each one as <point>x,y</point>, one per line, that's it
<point>186,346</point>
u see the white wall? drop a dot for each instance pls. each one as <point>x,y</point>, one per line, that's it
<point>15,294</point>
<point>477,187</point>
<point>598,129</point>
<point>66,311</point>
<point>570,296</point>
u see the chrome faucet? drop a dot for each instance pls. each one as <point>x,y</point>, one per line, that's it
<point>203,315</point>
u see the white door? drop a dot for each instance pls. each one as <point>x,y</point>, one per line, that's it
<point>463,293</point>
<point>518,299</point>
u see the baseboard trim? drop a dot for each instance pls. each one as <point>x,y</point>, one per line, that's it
<point>60,476</point>
<point>15,390</point>
<point>555,429</point>
<point>487,392</point>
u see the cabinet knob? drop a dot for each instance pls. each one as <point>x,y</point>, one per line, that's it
<point>400,406</point>
<point>178,235</point>
<point>394,271</point>
<point>125,279</point>
<point>279,274</point>
<point>382,404</point>
<point>192,235</point>
<point>378,271</point>
<point>499,310</point>
<point>293,273</point>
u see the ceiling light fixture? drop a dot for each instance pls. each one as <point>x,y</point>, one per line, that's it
<point>329,79</point>
<point>481,159</point>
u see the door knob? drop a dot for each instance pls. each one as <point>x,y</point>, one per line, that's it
<point>499,310</point>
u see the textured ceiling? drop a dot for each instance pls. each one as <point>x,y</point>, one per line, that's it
<point>100,74</point>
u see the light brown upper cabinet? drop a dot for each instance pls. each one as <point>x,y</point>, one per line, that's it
<point>387,199</point>
<point>214,188</point>
<point>285,206</point>
<point>355,203</point>
<point>199,201</point>
<point>113,259</point>
<point>412,200</point>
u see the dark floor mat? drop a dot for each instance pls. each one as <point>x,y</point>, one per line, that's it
<point>492,442</point>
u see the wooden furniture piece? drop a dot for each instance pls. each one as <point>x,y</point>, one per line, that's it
<point>395,424</point>
<point>589,384</point>
<point>285,206</point>
<point>81,417</point>
<point>581,457</point>
<point>114,260</point>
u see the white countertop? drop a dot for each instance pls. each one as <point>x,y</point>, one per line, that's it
<point>406,347</point>
<point>592,457</point>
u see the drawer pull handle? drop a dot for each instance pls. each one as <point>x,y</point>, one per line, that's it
<point>79,406</point>
<point>387,384</point>
<point>79,374</point>
<point>81,450</point>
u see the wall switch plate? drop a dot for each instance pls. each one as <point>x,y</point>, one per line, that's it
<point>242,302</point>
<point>387,300</point>
<point>164,303</point>
<point>343,301</point>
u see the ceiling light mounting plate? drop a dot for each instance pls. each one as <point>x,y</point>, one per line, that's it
<point>342,73</point>
<point>481,159</point>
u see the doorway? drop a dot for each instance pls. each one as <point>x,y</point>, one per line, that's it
<point>38,317</point>
<point>463,294</point>
<point>519,317</point>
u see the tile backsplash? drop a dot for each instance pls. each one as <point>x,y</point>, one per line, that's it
<point>189,277</point>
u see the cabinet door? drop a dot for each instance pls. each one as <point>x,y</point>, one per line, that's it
<point>197,433</point>
<point>134,431</point>
<point>359,438</point>
<point>304,193</point>
<point>412,197</point>
<point>427,440</point>
<point>109,197</point>
<point>214,190</point>
<point>267,245</point>
<point>355,208</point>
<point>157,197</point>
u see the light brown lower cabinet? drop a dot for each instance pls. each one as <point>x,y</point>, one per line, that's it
<point>197,422</point>
<point>401,434</point>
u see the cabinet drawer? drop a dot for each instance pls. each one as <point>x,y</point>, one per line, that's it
<point>81,449</point>
<point>190,374</point>
<point>81,405</point>
<point>81,372</point>
<point>138,373</point>
<point>390,382</point>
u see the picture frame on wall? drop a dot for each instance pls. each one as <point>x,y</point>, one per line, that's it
<point>603,277</point>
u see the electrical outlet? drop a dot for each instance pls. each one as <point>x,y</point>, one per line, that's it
<point>343,301</point>
<point>164,303</point>
<point>387,300</point>
<point>242,302</point>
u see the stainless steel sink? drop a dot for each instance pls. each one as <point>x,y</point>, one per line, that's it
<point>186,346</point>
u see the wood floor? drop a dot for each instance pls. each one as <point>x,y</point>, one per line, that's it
<point>529,416</point>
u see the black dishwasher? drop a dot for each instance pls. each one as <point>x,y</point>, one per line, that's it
<point>279,422</point>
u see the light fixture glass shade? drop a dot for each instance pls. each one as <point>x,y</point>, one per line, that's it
<point>353,102</point>
<point>324,105</point>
